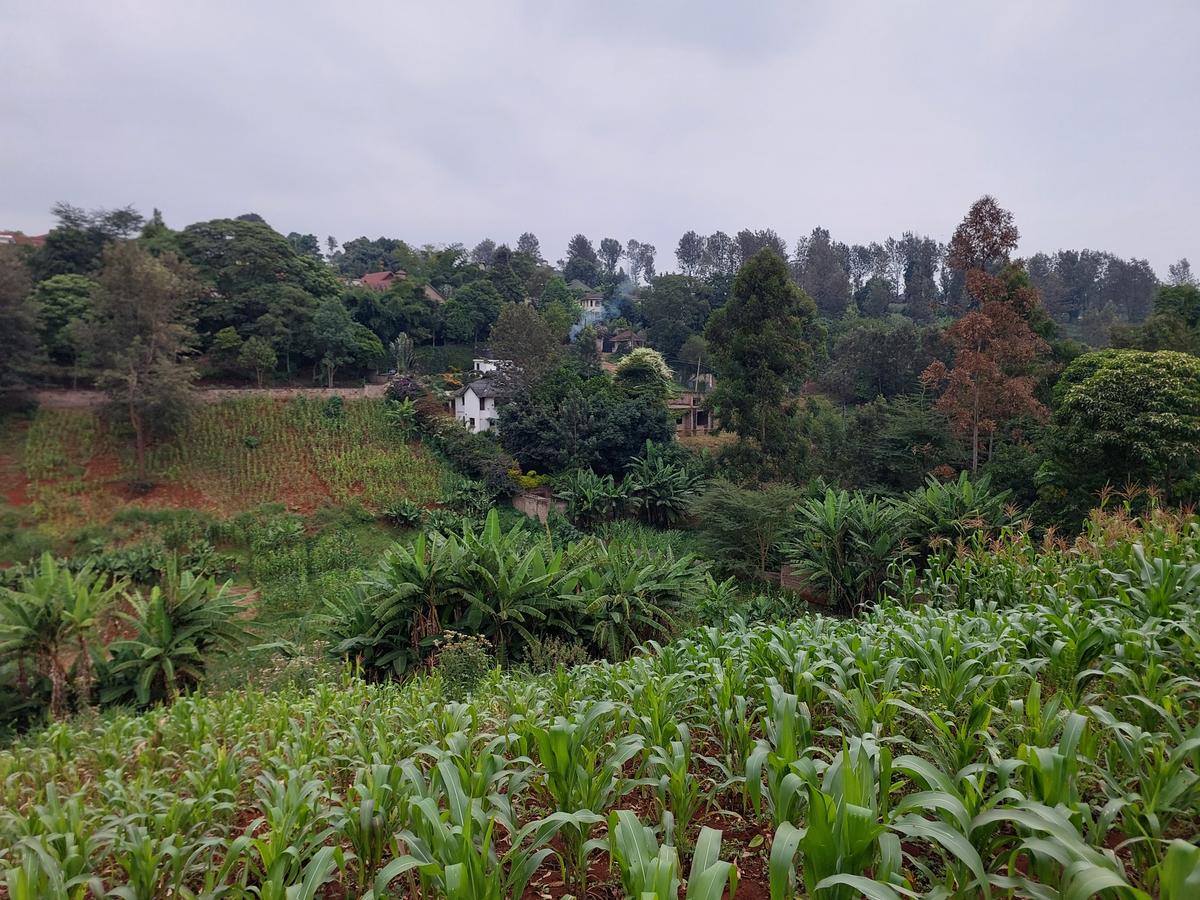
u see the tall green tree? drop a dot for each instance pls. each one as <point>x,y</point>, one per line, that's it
<point>762,346</point>
<point>509,285</point>
<point>75,244</point>
<point>582,261</point>
<point>610,255</point>
<point>340,341</point>
<point>1129,416</point>
<point>62,301</point>
<point>18,326</point>
<point>255,271</point>
<point>529,245</point>
<point>469,314</point>
<point>821,271</point>
<point>525,339</point>
<point>676,309</point>
<point>1175,324</point>
<point>139,336</point>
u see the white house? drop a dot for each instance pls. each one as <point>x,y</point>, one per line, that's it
<point>593,307</point>
<point>485,365</point>
<point>475,405</point>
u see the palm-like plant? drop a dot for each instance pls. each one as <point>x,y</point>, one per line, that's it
<point>181,625</point>
<point>507,591</point>
<point>391,621</point>
<point>51,620</point>
<point>631,596</point>
<point>591,498</point>
<point>843,544</point>
<point>659,489</point>
<point>947,512</point>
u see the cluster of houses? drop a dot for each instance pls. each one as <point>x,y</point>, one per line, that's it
<point>477,402</point>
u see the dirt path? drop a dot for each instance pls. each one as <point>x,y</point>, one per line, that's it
<point>85,399</point>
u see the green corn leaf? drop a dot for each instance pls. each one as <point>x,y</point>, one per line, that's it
<point>1179,872</point>
<point>867,887</point>
<point>782,869</point>
<point>953,841</point>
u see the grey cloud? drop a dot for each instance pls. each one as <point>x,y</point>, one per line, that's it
<point>452,121</point>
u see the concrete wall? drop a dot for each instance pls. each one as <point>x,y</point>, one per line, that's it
<point>536,506</point>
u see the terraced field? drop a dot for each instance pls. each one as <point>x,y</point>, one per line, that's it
<point>230,456</point>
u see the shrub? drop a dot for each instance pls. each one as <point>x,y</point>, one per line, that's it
<point>717,602</point>
<point>528,481</point>
<point>404,513</point>
<point>743,529</point>
<point>843,544</point>
<point>472,499</point>
<point>334,551</point>
<point>475,455</point>
<point>548,653</point>
<point>275,564</point>
<point>405,388</point>
<point>334,408</point>
<point>141,562</point>
<point>463,661</point>
<point>444,521</point>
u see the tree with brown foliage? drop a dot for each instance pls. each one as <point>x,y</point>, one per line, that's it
<point>994,372</point>
<point>982,243</point>
<point>986,235</point>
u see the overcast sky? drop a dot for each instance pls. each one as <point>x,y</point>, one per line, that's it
<point>445,121</point>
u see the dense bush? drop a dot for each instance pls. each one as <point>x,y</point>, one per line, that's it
<point>548,653</point>
<point>513,587</point>
<point>463,661</point>
<point>743,529</point>
<point>404,513</point>
<point>576,419</point>
<point>843,544</point>
<point>473,454</point>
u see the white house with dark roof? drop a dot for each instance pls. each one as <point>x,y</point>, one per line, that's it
<point>475,404</point>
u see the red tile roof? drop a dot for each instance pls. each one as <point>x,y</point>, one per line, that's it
<point>19,237</point>
<point>381,281</point>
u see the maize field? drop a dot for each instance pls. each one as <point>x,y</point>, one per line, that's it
<point>229,456</point>
<point>1015,722</point>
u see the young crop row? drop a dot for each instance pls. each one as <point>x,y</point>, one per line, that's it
<point>240,453</point>
<point>1026,724</point>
